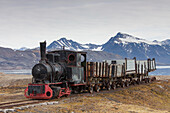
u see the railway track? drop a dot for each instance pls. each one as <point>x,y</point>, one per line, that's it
<point>104,91</point>
<point>12,104</point>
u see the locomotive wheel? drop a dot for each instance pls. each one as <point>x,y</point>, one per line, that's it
<point>113,86</point>
<point>97,88</point>
<point>67,95</point>
<point>54,94</point>
<point>108,87</point>
<point>127,84</point>
<point>56,91</point>
<point>90,89</point>
<point>79,89</point>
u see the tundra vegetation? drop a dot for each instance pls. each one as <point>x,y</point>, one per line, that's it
<point>153,97</point>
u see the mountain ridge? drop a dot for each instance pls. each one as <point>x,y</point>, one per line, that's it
<point>118,47</point>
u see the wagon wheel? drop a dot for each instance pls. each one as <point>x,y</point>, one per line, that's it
<point>134,82</point>
<point>143,81</point>
<point>90,89</point>
<point>101,87</point>
<point>138,81</point>
<point>127,84</point>
<point>149,80</point>
<point>122,84</point>
<point>108,87</point>
<point>113,86</point>
<point>97,88</point>
<point>153,78</point>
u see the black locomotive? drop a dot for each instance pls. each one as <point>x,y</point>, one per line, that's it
<point>61,72</point>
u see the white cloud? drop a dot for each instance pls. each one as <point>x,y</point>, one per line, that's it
<point>25,23</point>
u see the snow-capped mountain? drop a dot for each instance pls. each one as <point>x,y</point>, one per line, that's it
<point>72,45</point>
<point>118,47</point>
<point>23,49</point>
<point>125,39</point>
<point>166,42</point>
<point>128,46</point>
<point>124,45</point>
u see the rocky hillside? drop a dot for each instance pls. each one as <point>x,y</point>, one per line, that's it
<point>11,59</point>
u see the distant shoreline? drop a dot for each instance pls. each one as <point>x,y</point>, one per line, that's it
<point>162,67</point>
<point>161,70</point>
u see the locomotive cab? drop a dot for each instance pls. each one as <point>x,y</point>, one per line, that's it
<point>74,64</point>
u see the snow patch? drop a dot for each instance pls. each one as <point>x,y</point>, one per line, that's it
<point>27,106</point>
<point>116,42</point>
<point>131,39</point>
<point>97,49</point>
<point>157,53</point>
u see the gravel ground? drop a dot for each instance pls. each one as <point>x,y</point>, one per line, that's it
<point>163,77</point>
<point>7,80</point>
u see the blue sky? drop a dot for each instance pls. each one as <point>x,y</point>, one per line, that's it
<point>27,22</point>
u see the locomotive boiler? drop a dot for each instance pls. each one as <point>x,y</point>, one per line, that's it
<point>62,72</point>
<point>49,69</point>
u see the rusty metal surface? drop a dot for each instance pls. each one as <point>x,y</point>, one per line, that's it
<point>151,65</point>
<point>130,67</point>
<point>110,71</point>
<point>97,69</point>
<point>119,71</point>
<point>101,69</point>
<point>91,69</point>
<point>142,66</point>
<point>88,68</point>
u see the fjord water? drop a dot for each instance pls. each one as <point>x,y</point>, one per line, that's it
<point>17,72</point>
<point>161,70</point>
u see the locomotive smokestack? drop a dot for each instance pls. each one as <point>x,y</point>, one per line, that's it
<point>43,50</point>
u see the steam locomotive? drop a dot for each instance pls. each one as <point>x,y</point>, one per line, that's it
<point>61,72</point>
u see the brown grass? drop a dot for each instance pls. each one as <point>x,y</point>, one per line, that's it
<point>146,98</point>
<point>155,95</point>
